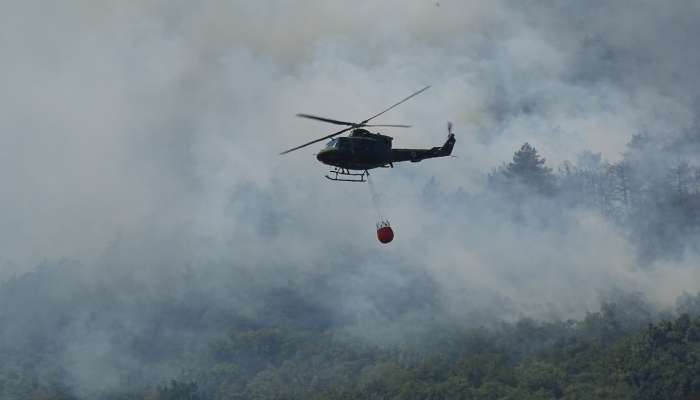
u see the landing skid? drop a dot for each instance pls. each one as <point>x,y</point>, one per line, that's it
<point>340,174</point>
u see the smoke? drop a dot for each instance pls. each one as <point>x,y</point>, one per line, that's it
<point>141,140</point>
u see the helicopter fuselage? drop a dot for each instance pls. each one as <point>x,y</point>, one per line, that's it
<point>363,150</point>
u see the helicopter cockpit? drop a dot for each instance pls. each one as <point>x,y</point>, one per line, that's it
<point>341,143</point>
<point>332,143</point>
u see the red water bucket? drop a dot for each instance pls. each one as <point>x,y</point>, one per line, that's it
<point>384,232</point>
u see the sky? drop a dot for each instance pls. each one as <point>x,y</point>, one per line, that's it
<point>144,137</point>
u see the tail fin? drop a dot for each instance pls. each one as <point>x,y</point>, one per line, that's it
<point>446,148</point>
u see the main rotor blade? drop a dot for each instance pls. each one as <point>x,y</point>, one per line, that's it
<point>414,94</point>
<point>332,121</point>
<point>318,140</point>
<point>393,126</point>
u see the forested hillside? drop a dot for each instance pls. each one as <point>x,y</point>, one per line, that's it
<point>70,334</point>
<point>626,350</point>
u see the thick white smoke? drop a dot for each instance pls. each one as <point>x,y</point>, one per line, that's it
<point>142,139</point>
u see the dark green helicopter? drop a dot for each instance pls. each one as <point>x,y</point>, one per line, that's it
<point>363,150</point>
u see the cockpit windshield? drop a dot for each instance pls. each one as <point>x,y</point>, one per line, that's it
<point>332,143</point>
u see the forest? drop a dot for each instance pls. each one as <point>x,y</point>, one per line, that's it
<point>178,341</point>
<point>623,351</point>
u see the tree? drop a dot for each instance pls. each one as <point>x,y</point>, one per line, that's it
<point>528,170</point>
<point>620,188</point>
<point>664,361</point>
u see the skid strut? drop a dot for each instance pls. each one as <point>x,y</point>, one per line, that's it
<point>344,175</point>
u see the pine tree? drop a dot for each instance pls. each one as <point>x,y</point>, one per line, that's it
<point>528,169</point>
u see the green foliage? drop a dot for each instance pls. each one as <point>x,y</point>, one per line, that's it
<point>526,174</point>
<point>611,354</point>
<point>664,361</point>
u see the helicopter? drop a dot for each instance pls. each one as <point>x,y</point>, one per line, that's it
<point>363,150</point>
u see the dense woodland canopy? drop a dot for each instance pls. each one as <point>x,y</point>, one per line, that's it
<point>294,347</point>
<point>652,193</point>
<point>625,350</point>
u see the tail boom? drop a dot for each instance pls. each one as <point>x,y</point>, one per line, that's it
<point>417,155</point>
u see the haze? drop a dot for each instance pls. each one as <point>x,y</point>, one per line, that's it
<point>140,139</point>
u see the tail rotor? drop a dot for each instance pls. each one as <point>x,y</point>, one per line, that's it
<point>446,148</point>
